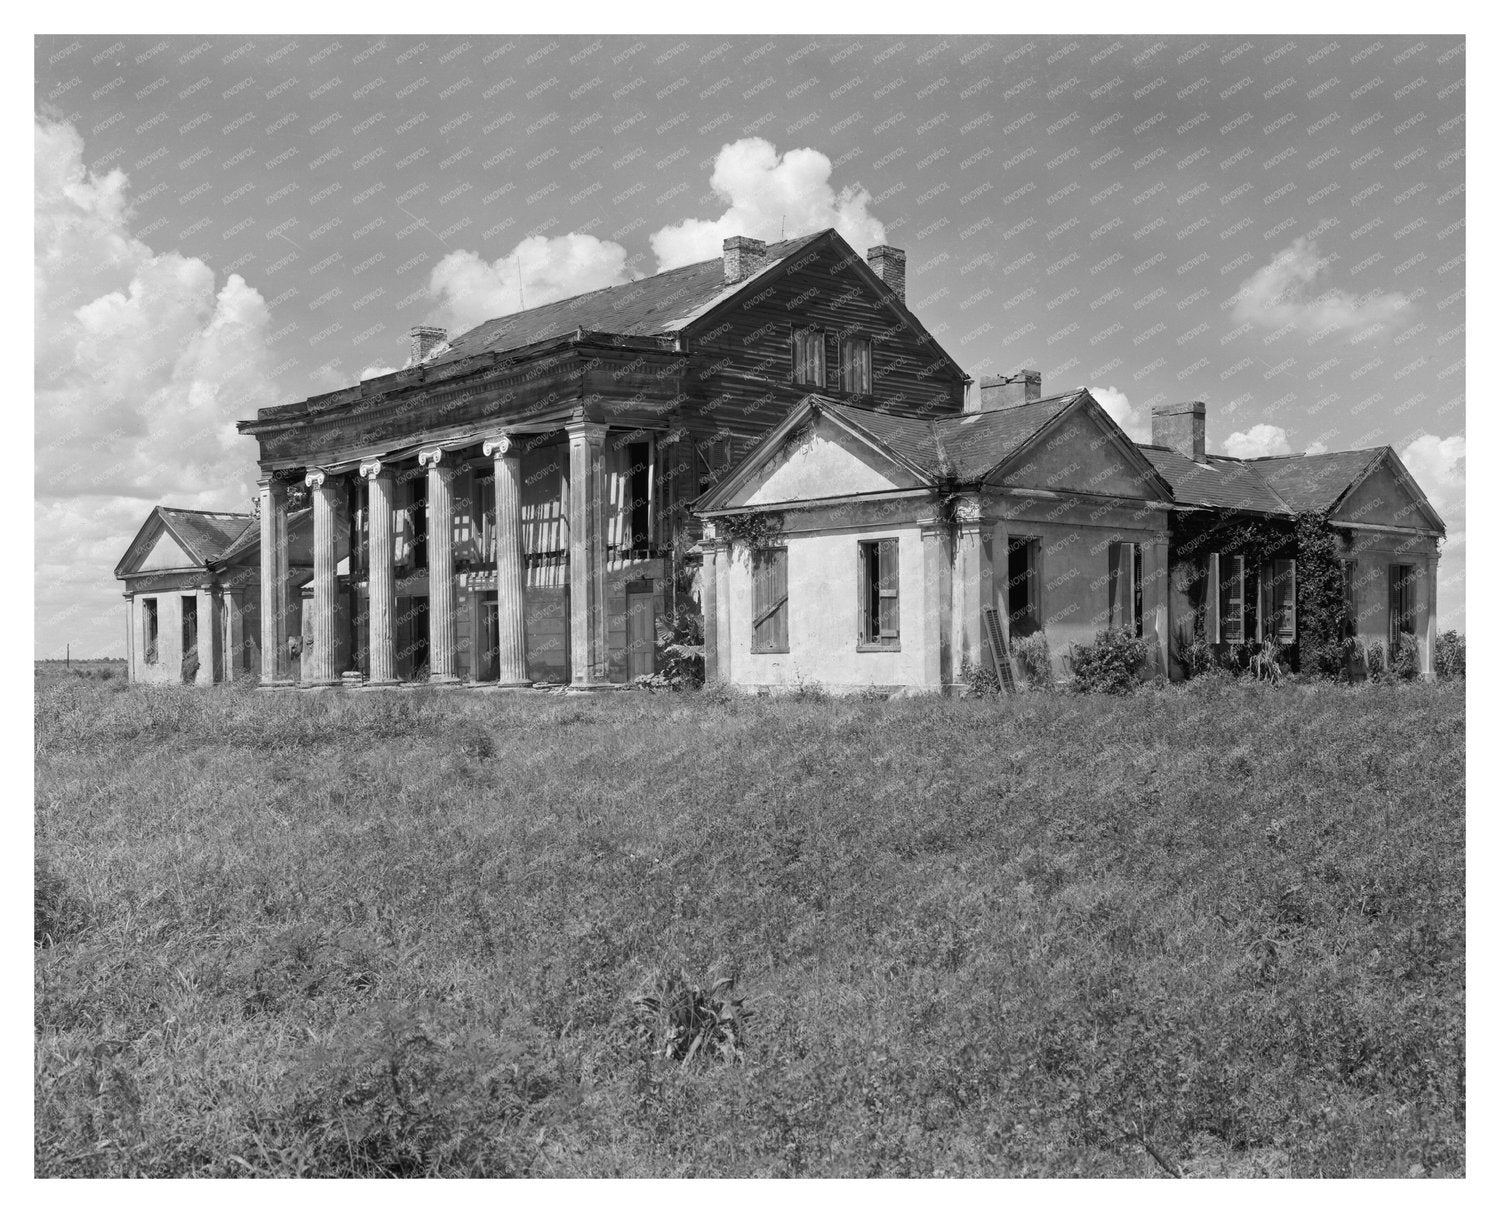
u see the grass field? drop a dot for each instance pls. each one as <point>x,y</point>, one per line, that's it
<point>404,934</point>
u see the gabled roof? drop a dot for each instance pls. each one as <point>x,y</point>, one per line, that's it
<point>1219,481</point>
<point>659,305</point>
<point>1314,483</point>
<point>202,534</point>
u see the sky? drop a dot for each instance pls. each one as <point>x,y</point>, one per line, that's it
<point>1273,225</point>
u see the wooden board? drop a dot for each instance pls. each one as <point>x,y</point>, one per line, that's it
<point>999,654</point>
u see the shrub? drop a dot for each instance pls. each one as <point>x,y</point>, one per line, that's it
<point>680,1019</point>
<point>1115,664</point>
<point>1193,652</point>
<point>1406,661</point>
<point>679,651</point>
<point>1034,658</point>
<point>1375,659</point>
<point>982,681</point>
<point>1450,654</point>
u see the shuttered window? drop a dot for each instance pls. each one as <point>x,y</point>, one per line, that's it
<point>807,356</point>
<point>854,365</point>
<point>880,594</point>
<point>1231,599</point>
<point>1401,596</point>
<point>148,607</point>
<point>1124,588</point>
<point>768,602</point>
<point>1281,601</point>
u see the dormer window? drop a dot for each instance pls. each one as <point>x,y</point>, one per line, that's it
<point>807,357</point>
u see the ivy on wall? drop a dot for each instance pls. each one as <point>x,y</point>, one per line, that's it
<point>750,532</point>
<point>1322,619</point>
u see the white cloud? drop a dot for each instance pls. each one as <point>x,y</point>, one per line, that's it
<point>1317,448</point>
<point>1257,441</point>
<point>143,363</point>
<point>1440,467</point>
<point>470,290</point>
<point>766,195</point>
<point>1278,295</point>
<point>1135,422</point>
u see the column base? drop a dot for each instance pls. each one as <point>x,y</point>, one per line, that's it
<point>331,685</point>
<point>588,687</point>
<point>382,684</point>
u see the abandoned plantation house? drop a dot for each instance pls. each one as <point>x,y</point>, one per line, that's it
<point>773,441</point>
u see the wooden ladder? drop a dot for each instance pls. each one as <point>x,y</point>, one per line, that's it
<point>999,654</point>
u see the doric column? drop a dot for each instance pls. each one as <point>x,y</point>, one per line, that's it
<point>208,638</point>
<point>440,655</point>
<point>973,587</point>
<point>1154,585</point>
<point>937,589</point>
<point>274,574</point>
<point>709,590</point>
<point>586,580</point>
<point>379,505</point>
<point>319,663</point>
<point>510,564</point>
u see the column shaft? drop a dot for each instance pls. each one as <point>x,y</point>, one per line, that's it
<point>589,654</point>
<point>379,504</point>
<point>510,564</point>
<point>440,598</point>
<point>1429,628</point>
<point>1154,585</point>
<point>274,570</point>
<point>323,636</point>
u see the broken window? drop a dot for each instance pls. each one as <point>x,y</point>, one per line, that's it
<point>879,594</point>
<point>768,602</point>
<point>807,356</point>
<point>1022,557</point>
<point>854,365</point>
<point>1402,613</point>
<point>638,503</point>
<point>1125,588</point>
<point>148,609</point>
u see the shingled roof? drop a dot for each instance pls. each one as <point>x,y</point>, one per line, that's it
<point>1314,482</point>
<point>1219,481</point>
<point>654,306</point>
<point>205,535</point>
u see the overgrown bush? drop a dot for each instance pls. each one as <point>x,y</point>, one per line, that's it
<point>1374,659</point>
<point>1115,664</point>
<point>982,681</point>
<point>679,651</point>
<point>1406,661</point>
<point>1192,650</point>
<point>685,1020</point>
<point>1034,658</point>
<point>1450,655</point>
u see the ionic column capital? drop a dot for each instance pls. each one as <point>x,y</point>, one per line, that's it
<point>315,478</point>
<point>370,468</point>
<point>430,458</point>
<point>501,445</point>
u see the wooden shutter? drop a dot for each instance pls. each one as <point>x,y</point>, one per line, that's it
<point>768,600</point>
<point>780,615</point>
<point>1033,583</point>
<point>1116,585</point>
<point>1284,599</point>
<point>889,587</point>
<point>1211,603</point>
<point>1232,601</point>
<point>1351,613</point>
<point>865,605</point>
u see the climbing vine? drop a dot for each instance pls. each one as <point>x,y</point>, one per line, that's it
<point>1322,619</point>
<point>750,532</point>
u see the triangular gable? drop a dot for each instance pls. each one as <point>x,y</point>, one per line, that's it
<point>1386,494</point>
<point>1082,450</point>
<point>813,455</point>
<point>155,548</point>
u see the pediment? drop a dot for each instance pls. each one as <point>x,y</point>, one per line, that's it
<point>1385,497</point>
<point>821,460</point>
<point>1081,453</point>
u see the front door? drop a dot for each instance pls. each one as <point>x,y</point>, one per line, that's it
<point>640,632</point>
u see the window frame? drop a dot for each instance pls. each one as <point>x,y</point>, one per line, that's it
<point>880,611</point>
<point>768,566</point>
<point>1401,603</point>
<point>868,346</point>
<point>1286,633</point>
<point>151,631</point>
<point>816,340</point>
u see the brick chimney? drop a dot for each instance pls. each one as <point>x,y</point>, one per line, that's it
<point>1007,391</point>
<point>889,265</point>
<point>1179,427</point>
<point>742,257</point>
<point>425,339</point>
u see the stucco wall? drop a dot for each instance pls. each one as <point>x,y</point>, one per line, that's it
<point>823,615</point>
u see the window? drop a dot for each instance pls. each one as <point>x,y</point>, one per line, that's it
<point>1022,557</point>
<point>807,356</point>
<point>854,365</point>
<point>1403,617</point>
<point>768,597</point>
<point>639,456</point>
<point>879,594</point>
<point>1281,601</point>
<point>148,608</point>
<point>1125,588</point>
<point>1238,598</point>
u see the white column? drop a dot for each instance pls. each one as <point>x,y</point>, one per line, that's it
<point>274,573</point>
<point>586,574</point>
<point>936,615</point>
<point>1429,621</point>
<point>709,589</point>
<point>973,583</point>
<point>379,504</point>
<point>208,636</point>
<point>510,564</point>
<point>322,637</point>
<point>440,643</point>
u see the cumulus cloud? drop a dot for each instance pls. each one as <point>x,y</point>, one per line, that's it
<point>1439,466</point>
<point>766,194</point>
<point>1280,295</point>
<point>1134,421</point>
<point>143,362</point>
<point>1258,440</point>
<point>470,290</point>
